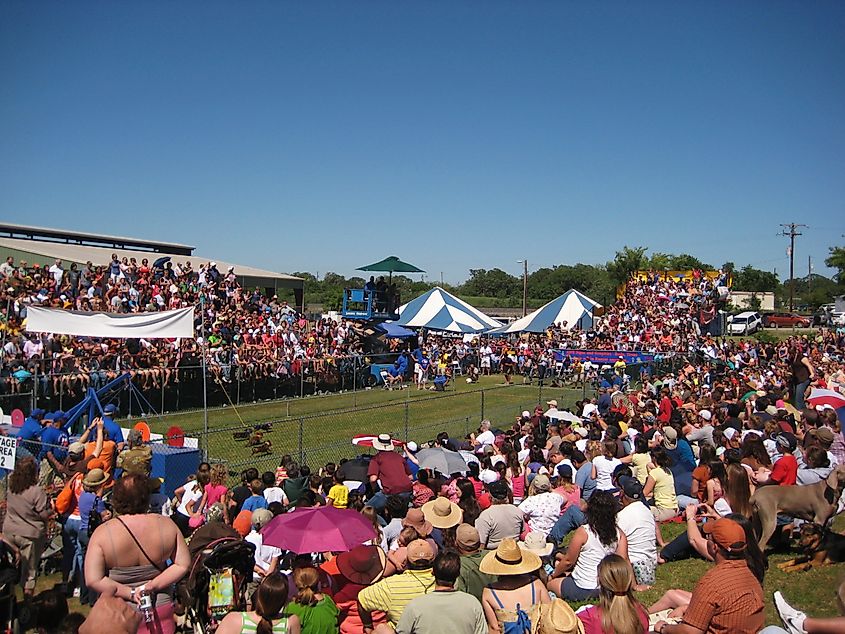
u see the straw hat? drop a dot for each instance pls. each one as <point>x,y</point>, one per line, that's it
<point>556,617</point>
<point>363,565</point>
<point>509,559</point>
<point>384,442</point>
<point>536,543</point>
<point>95,478</point>
<point>442,513</point>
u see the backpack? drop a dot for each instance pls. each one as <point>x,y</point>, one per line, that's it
<point>67,498</point>
<point>94,517</point>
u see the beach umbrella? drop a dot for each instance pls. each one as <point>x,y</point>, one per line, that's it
<point>319,529</point>
<point>391,265</point>
<point>819,396</point>
<point>366,440</point>
<point>442,460</point>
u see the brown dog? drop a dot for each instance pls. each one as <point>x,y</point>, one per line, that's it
<point>812,502</point>
<point>820,547</point>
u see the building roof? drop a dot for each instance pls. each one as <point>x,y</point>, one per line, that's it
<point>81,254</point>
<point>45,234</point>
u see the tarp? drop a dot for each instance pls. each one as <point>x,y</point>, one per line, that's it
<point>392,330</point>
<point>167,324</point>
<point>439,310</point>
<point>575,308</point>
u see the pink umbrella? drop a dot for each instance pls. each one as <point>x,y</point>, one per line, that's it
<point>318,529</point>
<point>819,396</point>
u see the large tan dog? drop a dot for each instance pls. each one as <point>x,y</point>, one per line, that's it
<point>812,502</point>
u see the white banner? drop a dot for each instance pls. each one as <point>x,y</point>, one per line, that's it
<point>8,451</point>
<point>167,324</point>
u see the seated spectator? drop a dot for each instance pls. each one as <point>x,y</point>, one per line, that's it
<point>618,610</point>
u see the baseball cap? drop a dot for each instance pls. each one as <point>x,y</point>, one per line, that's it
<point>564,471</point>
<point>541,483</point>
<point>631,487</point>
<point>552,403</point>
<point>110,408</point>
<point>76,448</point>
<point>526,414</point>
<point>498,489</point>
<point>727,534</point>
<point>706,414</point>
<point>420,551</point>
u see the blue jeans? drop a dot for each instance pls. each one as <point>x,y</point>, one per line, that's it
<point>379,500</point>
<point>572,518</point>
<point>71,549</point>
<point>799,394</point>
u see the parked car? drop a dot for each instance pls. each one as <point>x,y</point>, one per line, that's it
<point>746,323</point>
<point>787,320</point>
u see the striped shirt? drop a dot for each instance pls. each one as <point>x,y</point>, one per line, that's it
<point>393,593</point>
<point>727,599</point>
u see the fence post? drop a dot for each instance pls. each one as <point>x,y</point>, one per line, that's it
<point>407,404</point>
<point>482,405</point>
<point>301,445</point>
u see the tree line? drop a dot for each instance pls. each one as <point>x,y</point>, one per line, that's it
<point>498,288</point>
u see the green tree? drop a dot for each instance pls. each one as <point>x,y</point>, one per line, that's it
<point>492,283</point>
<point>750,279</point>
<point>686,262</point>
<point>836,260</point>
<point>628,260</point>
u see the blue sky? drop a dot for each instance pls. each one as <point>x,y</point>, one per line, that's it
<point>322,136</point>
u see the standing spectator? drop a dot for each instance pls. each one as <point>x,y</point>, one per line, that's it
<point>388,470</point>
<point>90,503</point>
<point>191,497</point>
<point>128,556</point>
<point>25,526</point>
<point>137,458</point>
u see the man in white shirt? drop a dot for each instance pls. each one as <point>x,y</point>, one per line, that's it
<point>57,272</point>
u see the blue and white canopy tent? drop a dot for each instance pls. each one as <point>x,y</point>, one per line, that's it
<point>440,310</point>
<point>575,308</point>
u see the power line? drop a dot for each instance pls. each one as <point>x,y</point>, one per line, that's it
<point>792,233</point>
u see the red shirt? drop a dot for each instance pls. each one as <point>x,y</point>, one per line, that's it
<point>393,472</point>
<point>785,470</point>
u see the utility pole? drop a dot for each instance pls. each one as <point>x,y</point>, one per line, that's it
<point>809,273</point>
<point>791,234</point>
<point>524,286</point>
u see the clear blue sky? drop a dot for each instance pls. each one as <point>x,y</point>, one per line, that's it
<point>322,136</point>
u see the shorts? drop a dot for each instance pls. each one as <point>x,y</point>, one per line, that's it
<point>644,572</point>
<point>663,514</point>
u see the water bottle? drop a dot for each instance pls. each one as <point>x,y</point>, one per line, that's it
<point>146,605</point>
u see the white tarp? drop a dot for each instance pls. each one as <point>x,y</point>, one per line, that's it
<point>167,324</point>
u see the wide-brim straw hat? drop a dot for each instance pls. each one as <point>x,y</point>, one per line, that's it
<point>384,442</point>
<point>509,559</point>
<point>442,513</point>
<point>556,617</point>
<point>363,565</point>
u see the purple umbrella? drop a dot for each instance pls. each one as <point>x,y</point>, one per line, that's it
<point>318,529</point>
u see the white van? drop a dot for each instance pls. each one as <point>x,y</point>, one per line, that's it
<point>746,323</point>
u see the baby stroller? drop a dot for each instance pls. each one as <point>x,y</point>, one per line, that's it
<point>217,582</point>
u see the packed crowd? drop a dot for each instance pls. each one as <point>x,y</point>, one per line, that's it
<point>250,336</point>
<point>552,511</point>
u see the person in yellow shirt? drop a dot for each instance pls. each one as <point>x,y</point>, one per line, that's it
<point>338,495</point>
